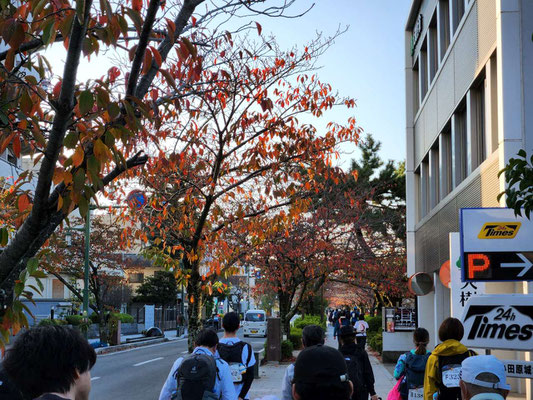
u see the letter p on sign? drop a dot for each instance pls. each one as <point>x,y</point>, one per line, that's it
<point>477,263</point>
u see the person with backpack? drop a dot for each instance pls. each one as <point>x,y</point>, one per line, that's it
<point>312,335</point>
<point>355,315</point>
<point>361,327</point>
<point>238,354</point>
<point>359,367</point>
<point>336,323</point>
<point>200,375</point>
<point>443,369</point>
<point>412,365</point>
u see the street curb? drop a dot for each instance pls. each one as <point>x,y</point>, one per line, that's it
<point>128,346</point>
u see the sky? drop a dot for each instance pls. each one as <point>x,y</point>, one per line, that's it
<point>365,63</point>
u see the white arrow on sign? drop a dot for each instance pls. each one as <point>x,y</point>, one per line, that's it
<point>526,264</point>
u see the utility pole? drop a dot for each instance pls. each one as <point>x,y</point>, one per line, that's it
<point>86,272</point>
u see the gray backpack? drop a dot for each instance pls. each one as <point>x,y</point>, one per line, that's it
<point>196,378</point>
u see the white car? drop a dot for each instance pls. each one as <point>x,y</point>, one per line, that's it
<point>255,323</point>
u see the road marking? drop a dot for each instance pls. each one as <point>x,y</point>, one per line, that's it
<point>142,347</point>
<point>185,352</point>
<point>149,361</point>
<point>94,378</point>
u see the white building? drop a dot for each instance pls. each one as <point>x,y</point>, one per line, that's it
<point>469,92</point>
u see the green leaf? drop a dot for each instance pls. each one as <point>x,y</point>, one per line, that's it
<point>79,180</point>
<point>32,265</point>
<point>4,237</point>
<point>39,275</point>
<point>71,140</point>
<point>48,31</point>
<point>83,205</point>
<point>86,101</point>
<point>113,109</point>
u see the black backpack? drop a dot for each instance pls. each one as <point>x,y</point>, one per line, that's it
<point>449,374</point>
<point>196,378</point>
<point>355,372</point>
<point>415,367</point>
<point>232,354</point>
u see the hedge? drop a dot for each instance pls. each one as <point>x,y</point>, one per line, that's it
<point>286,349</point>
<point>301,323</point>
<point>375,340</point>
<point>296,337</point>
<point>124,318</point>
<point>74,320</point>
<point>374,323</point>
<point>49,322</point>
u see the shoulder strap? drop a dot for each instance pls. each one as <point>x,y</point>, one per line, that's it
<point>250,350</point>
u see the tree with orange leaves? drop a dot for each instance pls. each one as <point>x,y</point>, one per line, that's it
<point>82,136</point>
<point>241,154</point>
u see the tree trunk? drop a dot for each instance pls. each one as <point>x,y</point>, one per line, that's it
<point>103,330</point>
<point>194,295</point>
<point>284,310</point>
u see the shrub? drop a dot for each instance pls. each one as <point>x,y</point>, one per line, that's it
<point>94,318</point>
<point>296,338</point>
<point>286,349</point>
<point>301,323</point>
<point>74,320</point>
<point>48,322</point>
<point>124,318</point>
<point>374,323</point>
<point>375,340</point>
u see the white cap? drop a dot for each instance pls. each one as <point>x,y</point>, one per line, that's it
<point>473,366</point>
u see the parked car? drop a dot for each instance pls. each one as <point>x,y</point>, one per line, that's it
<point>255,323</point>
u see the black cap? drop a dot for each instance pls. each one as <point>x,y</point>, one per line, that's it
<point>320,364</point>
<point>347,330</point>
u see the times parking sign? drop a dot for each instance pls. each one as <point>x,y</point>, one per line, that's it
<point>496,245</point>
<point>499,321</point>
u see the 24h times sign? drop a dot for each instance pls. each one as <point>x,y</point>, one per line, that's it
<point>496,245</point>
<point>499,321</point>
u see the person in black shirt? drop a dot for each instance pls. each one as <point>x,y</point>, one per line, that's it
<point>51,363</point>
<point>359,367</point>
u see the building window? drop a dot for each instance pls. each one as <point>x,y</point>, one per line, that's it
<point>478,141</point>
<point>416,88</point>
<point>433,54</point>
<point>424,188</point>
<point>58,289</point>
<point>459,145</point>
<point>457,12</point>
<point>423,70</point>
<point>136,278</point>
<point>434,177</point>
<point>444,26</point>
<point>445,159</point>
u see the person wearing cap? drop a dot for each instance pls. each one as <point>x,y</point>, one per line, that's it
<point>320,372</point>
<point>359,367</point>
<point>483,378</point>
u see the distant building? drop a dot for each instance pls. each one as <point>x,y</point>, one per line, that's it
<point>469,91</point>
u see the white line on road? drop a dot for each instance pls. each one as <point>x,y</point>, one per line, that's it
<point>149,361</point>
<point>185,352</point>
<point>94,378</point>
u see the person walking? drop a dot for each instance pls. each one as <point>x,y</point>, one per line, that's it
<point>336,323</point>
<point>355,315</point>
<point>359,367</point>
<point>443,368</point>
<point>411,367</point>
<point>312,335</point>
<point>201,375</point>
<point>50,363</point>
<point>320,372</point>
<point>361,326</point>
<point>238,354</point>
<point>483,378</point>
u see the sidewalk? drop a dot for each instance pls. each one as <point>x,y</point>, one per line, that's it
<point>271,376</point>
<point>170,335</point>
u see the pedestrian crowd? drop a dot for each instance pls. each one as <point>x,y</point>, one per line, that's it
<point>54,363</point>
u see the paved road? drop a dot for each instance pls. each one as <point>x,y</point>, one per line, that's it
<point>139,374</point>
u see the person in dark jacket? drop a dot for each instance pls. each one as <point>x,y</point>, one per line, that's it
<point>51,363</point>
<point>357,360</point>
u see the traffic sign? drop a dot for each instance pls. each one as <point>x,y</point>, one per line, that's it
<point>496,245</point>
<point>499,321</point>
